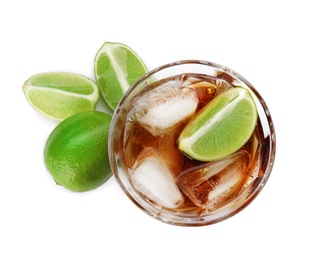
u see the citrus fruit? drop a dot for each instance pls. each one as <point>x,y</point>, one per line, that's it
<point>76,152</point>
<point>221,128</point>
<point>117,67</point>
<point>60,94</point>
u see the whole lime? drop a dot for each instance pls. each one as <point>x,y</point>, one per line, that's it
<point>76,152</point>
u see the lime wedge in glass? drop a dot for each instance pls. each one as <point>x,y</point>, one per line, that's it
<point>221,128</point>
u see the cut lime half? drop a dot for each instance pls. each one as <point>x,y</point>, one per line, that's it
<point>222,127</point>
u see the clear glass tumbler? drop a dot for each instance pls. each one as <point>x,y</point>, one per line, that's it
<point>130,142</point>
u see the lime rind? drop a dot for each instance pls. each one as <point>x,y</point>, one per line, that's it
<point>116,68</point>
<point>222,127</point>
<point>59,95</point>
<point>76,151</point>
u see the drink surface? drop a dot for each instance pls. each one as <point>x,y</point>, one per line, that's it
<point>160,172</point>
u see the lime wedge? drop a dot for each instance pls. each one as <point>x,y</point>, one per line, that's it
<point>117,67</point>
<point>221,128</point>
<point>59,94</point>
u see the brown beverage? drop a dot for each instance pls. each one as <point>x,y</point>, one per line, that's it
<point>169,180</point>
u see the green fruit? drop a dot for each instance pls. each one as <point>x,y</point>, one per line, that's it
<point>117,67</point>
<point>222,127</point>
<point>59,94</point>
<point>76,152</point>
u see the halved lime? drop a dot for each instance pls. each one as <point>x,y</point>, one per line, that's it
<point>60,94</point>
<point>117,67</point>
<point>222,127</point>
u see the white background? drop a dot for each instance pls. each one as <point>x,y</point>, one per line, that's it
<point>265,41</point>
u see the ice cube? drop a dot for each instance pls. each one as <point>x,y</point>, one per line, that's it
<point>152,178</point>
<point>161,108</point>
<point>212,184</point>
